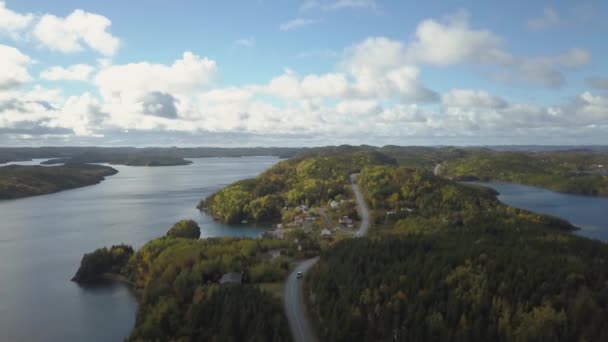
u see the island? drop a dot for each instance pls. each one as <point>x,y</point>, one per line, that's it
<point>18,181</point>
<point>217,289</point>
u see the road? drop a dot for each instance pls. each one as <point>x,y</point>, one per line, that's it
<point>436,169</point>
<point>295,307</point>
<point>299,324</point>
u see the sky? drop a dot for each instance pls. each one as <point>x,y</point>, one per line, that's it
<point>303,73</point>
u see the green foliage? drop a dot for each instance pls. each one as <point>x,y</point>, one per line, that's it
<point>498,285</point>
<point>22,181</point>
<point>310,180</point>
<point>179,297</point>
<point>95,265</point>
<point>570,172</point>
<point>188,229</point>
<point>418,201</point>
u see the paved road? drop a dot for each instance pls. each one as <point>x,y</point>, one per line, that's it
<point>436,169</point>
<point>295,306</point>
<point>299,324</point>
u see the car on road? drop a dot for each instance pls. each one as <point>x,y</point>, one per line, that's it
<point>299,274</point>
<point>357,234</point>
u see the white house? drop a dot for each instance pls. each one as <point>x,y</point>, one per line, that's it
<point>334,205</point>
<point>325,232</point>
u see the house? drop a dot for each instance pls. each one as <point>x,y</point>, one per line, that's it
<point>334,205</point>
<point>299,220</point>
<point>279,226</point>
<point>231,278</point>
<point>325,232</point>
<point>345,220</point>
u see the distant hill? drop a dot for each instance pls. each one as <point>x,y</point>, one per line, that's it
<point>22,181</point>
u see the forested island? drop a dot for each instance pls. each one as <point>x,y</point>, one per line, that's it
<point>183,290</point>
<point>22,181</point>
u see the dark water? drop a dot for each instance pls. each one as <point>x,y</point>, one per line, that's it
<point>43,238</point>
<point>588,213</point>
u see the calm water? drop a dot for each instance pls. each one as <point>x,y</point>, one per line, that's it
<point>588,213</point>
<point>43,238</point>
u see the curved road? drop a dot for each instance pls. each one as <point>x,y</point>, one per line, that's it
<point>295,307</point>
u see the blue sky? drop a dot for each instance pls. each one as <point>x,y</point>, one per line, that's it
<point>345,71</point>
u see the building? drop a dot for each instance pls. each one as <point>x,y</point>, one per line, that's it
<point>325,232</point>
<point>231,278</point>
<point>334,205</point>
<point>345,220</point>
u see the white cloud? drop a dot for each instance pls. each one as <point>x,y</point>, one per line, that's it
<point>13,23</point>
<point>471,98</point>
<point>452,41</point>
<point>148,96</point>
<point>13,67</point>
<point>76,72</point>
<point>245,42</point>
<point>380,69</point>
<point>72,33</point>
<point>548,18</point>
<point>296,24</point>
<point>186,75</point>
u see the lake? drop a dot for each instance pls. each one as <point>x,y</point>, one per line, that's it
<point>43,238</point>
<point>588,213</point>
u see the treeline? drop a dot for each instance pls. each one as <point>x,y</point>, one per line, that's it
<point>565,171</point>
<point>475,285</point>
<point>303,180</point>
<point>408,200</point>
<point>153,156</point>
<point>176,278</point>
<point>22,181</point>
<point>95,266</point>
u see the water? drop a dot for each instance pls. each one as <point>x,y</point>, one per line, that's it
<point>43,238</point>
<point>588,213</point>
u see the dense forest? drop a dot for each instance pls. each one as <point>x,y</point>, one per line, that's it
<point>489,285</point>
<point>102,263</point>
<point>578,172</point>
<point>410,200</point>
<point>309,180</point>
<point>22,181</point>
<point>177,282</point>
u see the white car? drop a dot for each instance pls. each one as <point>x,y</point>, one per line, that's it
<point>299,274</point>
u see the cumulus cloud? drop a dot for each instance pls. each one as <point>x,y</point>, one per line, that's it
<point>375,92</point>
<point>74,32</point>
<point>159,104</point>
<point>13,23</point>
<point>76,72</point>
<point>453,41</point>
<point>471,99</point>
<point>548,18</point>
<point>185,75</point>
<point>13,67</point>
<point>296,24</point>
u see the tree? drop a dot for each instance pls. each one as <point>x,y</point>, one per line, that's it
<point>187,229</point>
